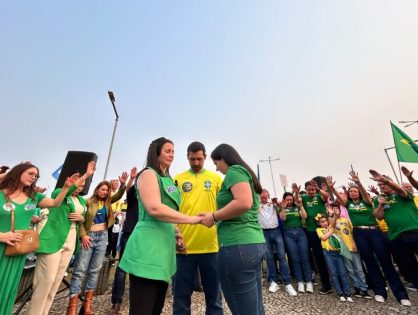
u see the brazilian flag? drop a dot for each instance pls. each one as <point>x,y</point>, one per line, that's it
<point>406,148</point>
<point>339,245</point>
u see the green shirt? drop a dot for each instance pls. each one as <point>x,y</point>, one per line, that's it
<point>150,251</point>
<point>243,229</point>
<point>313,206</point>
<point>361,213</point>
<point>293,218</point>
<point>400,214</point>
<point>56,229</point>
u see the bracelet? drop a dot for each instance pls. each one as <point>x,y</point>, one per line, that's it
<point>213,217</point>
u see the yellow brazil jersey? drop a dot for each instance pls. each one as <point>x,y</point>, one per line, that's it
<point>344,230</point>
<point>325,244</point>
<point>198,194</point>
<point>117,205</point>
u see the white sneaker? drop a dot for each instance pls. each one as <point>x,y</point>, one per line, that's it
<point>289,289</point>
<point>309,287</point>
<point>349,299</point>
<point>379,298</point>
<point>405,302</point>
<point>274,287</point>
<point>342,298</point>
<point>301,287</point>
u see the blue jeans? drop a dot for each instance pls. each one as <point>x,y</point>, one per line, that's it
<point>118,288</point>
<point>274,239</point>
<point>315,243</point>
<point>184,281</point>
<point>337,272</point>
<point>372,243</point>
<point>297,247</point>
<point>355,271</point>
<point>239,271</point>
<point>89,261</point>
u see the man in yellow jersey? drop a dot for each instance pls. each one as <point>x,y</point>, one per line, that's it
<point>198,188</point>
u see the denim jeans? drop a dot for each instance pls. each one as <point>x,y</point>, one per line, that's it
<point>89,261</point>
<point>372,243</point>
<point>118,288</point>
<point>315,244</point>
<point>184,281</point>
<point>297,248</point>
<point>274,240</point>
<point>239,271</point>
<point>337,272</point>
<point>355,271</point>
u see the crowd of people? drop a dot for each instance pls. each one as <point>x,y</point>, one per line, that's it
<point>197,226</point>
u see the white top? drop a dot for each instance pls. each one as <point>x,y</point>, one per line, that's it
<point>267,216</point>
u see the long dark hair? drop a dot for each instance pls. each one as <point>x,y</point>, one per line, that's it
<point>286,194</point>
<point>154,151</point>
<point>231,157</point>
<point>11,181</point>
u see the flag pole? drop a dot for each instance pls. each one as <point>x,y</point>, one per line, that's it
<point>391,165</point>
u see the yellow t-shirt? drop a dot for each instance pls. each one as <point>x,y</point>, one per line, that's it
<point>325,244</point>
<point>344,230</point>
<point>198,194</point>
<point>117,205</point>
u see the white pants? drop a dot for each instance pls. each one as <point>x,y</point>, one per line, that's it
<point>49,271</point>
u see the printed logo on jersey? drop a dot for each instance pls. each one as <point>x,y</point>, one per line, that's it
<point>208,184</point>
<point>187,186</point>
<point>346,231</point>
<point>171,189</point>
<point>30,206</point>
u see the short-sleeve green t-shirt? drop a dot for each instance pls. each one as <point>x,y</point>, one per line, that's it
<point>243,229</point>
<point>313,206</point>
<point>293,218</point>
<point>400,214</point>
<point>361,213</point>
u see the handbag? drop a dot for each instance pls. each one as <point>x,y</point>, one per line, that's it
<point>28,244</point>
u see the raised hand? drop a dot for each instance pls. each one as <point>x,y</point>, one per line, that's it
<point>71,180</point>
<point>91,168</point>
<point>330,182</point>
<point>123,178</point>
<point>134,172</point>
<point>283,204</point>
<point>354,177</point>
<point>295,188</point>
<point>376,176</point>
<point>351,185</point>
<point>298,202</point>
<point>406,172</point>
<point>382,200</point>
<point>373,189</point>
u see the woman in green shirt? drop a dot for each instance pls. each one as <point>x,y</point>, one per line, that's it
<point>149,256</point>
<point>18,192</point>
<point>241,240</point>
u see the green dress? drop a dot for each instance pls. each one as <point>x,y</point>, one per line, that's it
<point>150,251</point>
<point>11,268</point>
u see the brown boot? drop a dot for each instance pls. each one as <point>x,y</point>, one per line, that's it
<point>115,309</point>
<point>88,299</point>
<point>72,305</point>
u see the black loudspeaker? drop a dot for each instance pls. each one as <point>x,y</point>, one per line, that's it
<point>76,162</point>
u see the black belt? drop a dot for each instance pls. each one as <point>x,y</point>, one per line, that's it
<point>270,229</point>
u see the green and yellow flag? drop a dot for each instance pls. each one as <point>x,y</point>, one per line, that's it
<point>406,148</point>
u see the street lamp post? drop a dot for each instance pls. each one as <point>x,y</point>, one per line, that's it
<point>112,99</point>
<point>271,172</point>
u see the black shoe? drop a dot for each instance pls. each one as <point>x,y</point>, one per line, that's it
<point>358,293</point>
<point>365,294</point>
<point>198,288</point>
<point>325,290</point>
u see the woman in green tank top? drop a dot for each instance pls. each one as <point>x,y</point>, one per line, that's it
<point>149,256</point>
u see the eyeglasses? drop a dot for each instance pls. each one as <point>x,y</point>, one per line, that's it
<point>32,174</point>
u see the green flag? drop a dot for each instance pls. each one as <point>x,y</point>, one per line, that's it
<point>406,148</point>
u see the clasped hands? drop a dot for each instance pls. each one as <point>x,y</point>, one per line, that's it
<point>205,218</point>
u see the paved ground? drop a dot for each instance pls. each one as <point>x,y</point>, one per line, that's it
<point>275,303</point>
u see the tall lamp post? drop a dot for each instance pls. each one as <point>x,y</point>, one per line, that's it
<point>112,99</point>
<point>271,172</point>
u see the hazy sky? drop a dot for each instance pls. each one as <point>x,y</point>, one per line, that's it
<point>312,82</point>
